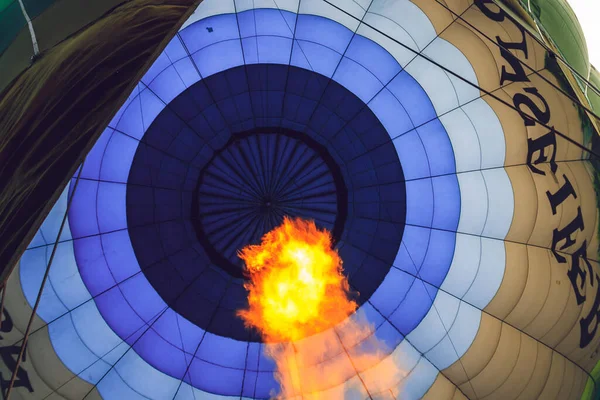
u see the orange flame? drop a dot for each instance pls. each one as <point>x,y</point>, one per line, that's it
<point>297,293</point>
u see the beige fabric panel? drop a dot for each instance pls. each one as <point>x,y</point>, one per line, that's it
<point>443,389</point>
<point>508,32</point>
<point>439,16</point>
<point>526,211</point>
<point>519,367</point>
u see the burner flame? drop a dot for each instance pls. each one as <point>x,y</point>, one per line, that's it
<point>297,294</point>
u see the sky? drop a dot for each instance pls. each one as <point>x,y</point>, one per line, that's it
<point>588,13</point>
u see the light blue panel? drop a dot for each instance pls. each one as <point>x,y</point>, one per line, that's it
<point>419,202</point>
<point>412,309</point>
<point>158,66</point>
<point>414,99</point>
<point>51,225</point>
<point>185,392</point>
<point>438,147</point>
<point>416,240</point>
<point>216,379</point>
<point>274,50</point>
<point>167,85</point>
<point>191,335</point>
<point>32,269</point>
<point>250,48</point>
<point>134,94</point>
<point>70,348</point>
<point>299,57</point>
<point>167,327</point>
<point>92,265</point>
<point>111,206</point>
<point>199,36</point>
<point>219,57</point>
<point>38,239</point>
<point>390,113</point>
<point>187,71</point>
<point>119,315</point>
<point>93,330</point>
<point>117,159</point>
<point>418,382</point>
<point>142,297</point>
<point>112,386</point>
<point>447,199</point>
<point>460,338</point>
<point>175,50</point>
<point>91,166</point>
<point>223,351</point>
<point>145,379</point>
<point>159,353</point>
<point>152,105</point>
<point>274,22</point>
<point>374,58</point>
<point>357,79</point>
<point>311,28</point>
<point>489,274</point>
<point>65,277</point>
<point>404,262</point>
<point>119,255</point>
<point>412,156</point>
<point>130,121</point>
<point>438,258</point>
<point>246,23</point>
<point>116,353</point>
<point>94,373</point>
<point>436,323</point>
<point>391,291</point>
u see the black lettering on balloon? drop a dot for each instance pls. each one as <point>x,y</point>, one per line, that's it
<point>592,318</point>
<point>9,355</point>
<point>561,195</point>
<point>577,274</point>
<point>539,146</point>
<point>7,323</point>
<point>497,16</point>
<point>519,74</point>
<point>565,234</point>
<point>521,99</point>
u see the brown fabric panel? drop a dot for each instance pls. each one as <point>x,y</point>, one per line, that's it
<point>555,378</point>
<point>540,372</point>
<point>442,389</point>
<point>520,376</point>
<point>500,366</point>
<point>525,211</point>
<point>478,355</point>
<point>54,112</point>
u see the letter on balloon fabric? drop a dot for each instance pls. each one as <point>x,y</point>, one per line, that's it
<point>539,145</point>
<point>521,99</point>
<point>576,273</point>
<point>519,74</point>
<point>561,194</point>
<point>565,234</point>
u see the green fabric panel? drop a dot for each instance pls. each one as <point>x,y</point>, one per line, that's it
<point>560,22</point>
<point>4,4</point>
<point>11,22</point>
<point>593,97</point>
<point>35,7</point>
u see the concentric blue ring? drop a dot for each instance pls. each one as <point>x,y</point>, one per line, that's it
<point>98,214</point>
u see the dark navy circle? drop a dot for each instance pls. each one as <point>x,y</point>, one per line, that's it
<point>357,191</point>
<point>255,180</point>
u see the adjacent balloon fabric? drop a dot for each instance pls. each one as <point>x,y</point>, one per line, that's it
<point>439,142</point>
